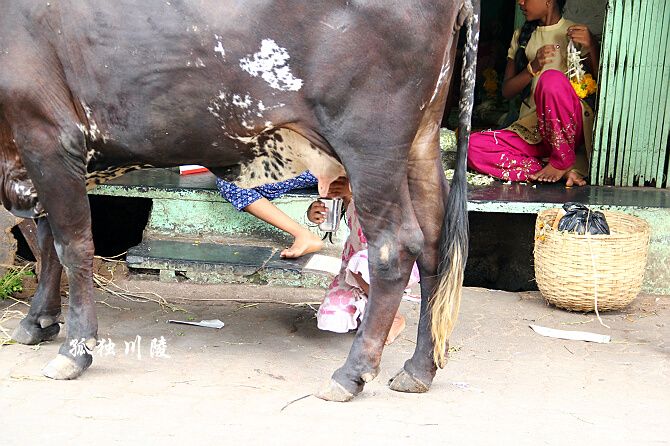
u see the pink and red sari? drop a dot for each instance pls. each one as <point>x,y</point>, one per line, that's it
<point>505,155</point>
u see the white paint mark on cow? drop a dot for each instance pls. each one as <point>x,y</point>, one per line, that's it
<point>219,49</point>
<point>239,101</point>
<point>92,131</point>
<point>384,253</point>
<point>90,153</point>
<point>440,80</point>
<point>271,64</point>
<point>228,107</point>
<point>219,46</point>
<point>327,24</point>
<point>22,190</point>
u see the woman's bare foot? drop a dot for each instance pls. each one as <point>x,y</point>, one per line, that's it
<point>397,328</point>
<point>572,178</point>
<point>549,174</point>
<point>304,243</point>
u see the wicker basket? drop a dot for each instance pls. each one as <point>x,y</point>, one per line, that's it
<point>576,271</point>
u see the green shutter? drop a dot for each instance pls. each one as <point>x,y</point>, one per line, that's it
<point>631,135</point>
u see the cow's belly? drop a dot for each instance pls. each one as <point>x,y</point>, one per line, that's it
<point>283,153</point>
<point>276,155</point>
<point>96,178</point>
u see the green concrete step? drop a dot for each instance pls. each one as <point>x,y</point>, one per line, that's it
<point>219,263</point>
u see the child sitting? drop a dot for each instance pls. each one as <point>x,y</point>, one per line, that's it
<point>344,303</point>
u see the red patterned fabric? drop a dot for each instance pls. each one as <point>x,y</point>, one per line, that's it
<point>505,155</point>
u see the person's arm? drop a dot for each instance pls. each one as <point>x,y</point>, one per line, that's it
<point>514,83</point>
<point>581,35</point>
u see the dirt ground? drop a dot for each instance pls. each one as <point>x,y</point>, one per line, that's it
<point>504,383</point>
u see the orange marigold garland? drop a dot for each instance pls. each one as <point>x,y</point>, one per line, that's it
<point>586,87</point>
<point>582,82</point>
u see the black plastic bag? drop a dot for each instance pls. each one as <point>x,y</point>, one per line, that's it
<point>579,219</point>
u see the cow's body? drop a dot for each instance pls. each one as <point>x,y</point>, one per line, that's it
<point>255,90</point>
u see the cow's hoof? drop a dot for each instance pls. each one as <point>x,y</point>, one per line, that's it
<point>334,391</point>
<point>29,334</point>
<point>64,367</point>
<point>405,382</point>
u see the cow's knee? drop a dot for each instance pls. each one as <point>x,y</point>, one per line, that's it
<point>412,240</point>
<point>394,248</point>
<point>75,253</point>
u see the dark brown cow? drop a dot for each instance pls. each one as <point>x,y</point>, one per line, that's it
<point>257,91</point>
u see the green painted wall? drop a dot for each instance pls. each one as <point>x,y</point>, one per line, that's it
<point>632,132</point>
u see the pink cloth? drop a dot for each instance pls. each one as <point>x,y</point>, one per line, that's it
<point>504,154</point>
<point>344,304</point>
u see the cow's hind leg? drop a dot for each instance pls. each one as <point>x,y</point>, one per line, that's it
<point>394,241</point>
<point>41,323</point>
<point>427,188</point>
<point>444,223</point>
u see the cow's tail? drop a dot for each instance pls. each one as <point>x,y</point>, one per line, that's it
<point>446,299</point>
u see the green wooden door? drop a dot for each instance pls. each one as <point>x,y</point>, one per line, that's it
<point>631,135</point>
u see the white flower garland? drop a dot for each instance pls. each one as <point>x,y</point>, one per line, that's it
<point>575,67</point>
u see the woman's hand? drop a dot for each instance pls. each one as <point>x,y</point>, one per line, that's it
<point>581,35</point>
<point>544,56</point>
<point>316,212</point>
<point>340,189</point>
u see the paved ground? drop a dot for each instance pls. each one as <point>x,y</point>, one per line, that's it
<point>504,384</point>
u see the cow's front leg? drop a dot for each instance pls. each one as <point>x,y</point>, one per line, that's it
<point>73,240</point>
<point>394,241</point>
<point>55,162</point>
<point>41,323</point>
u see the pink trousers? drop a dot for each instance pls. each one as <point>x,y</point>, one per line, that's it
<point>504,154</point>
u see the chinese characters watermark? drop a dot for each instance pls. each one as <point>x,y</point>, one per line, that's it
<point>107,347</point>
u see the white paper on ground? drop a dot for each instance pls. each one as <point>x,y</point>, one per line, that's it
<point>214,323</point>
<point>571,335</point>
<point>328,264</point>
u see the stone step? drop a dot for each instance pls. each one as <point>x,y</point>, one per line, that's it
<point>176,260</point>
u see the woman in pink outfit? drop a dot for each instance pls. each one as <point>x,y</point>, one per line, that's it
<point>553,122</point>
<point>344,304</point>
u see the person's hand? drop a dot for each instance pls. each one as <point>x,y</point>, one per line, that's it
<point>339,189</point>
<point>544,56</point>
<point>316,212</point>
<point>581,35</point>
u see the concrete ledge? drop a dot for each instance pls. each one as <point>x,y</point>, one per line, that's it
<point>190,206</point>
<point>218,263</point>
